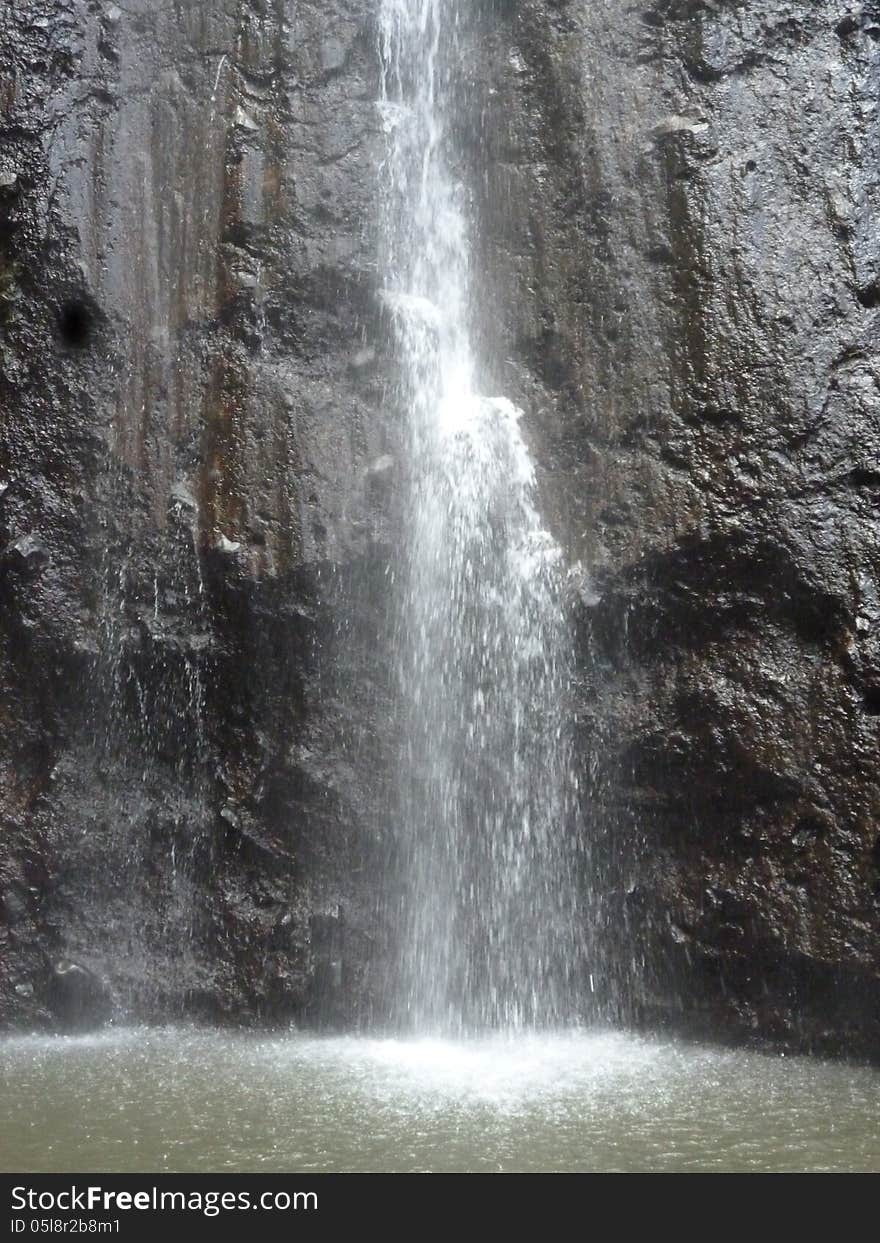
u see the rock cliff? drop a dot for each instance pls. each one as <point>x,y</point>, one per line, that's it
<point>675,206</point>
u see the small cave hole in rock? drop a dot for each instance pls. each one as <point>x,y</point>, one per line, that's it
<point>809,828</point>
<point>76,324</point>
<point>847,26</point>
<point>871,700</point>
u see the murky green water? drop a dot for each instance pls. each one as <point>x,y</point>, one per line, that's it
<point>191,1101</point>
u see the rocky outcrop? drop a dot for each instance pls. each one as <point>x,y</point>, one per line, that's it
<point>200,465</point>
<point>696,321</point>
<point>195,471</point>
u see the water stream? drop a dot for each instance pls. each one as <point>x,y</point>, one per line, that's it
<point>490,928</point>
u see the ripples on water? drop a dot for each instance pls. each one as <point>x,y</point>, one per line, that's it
<point>184,1100</point>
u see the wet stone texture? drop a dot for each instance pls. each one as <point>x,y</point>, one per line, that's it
<point>200,467</point>
<point>196,473</point>
<point>696,261</point>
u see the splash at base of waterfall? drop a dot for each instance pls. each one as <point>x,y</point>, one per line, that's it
<point>189,1101</point>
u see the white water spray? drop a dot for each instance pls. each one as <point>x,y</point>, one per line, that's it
<point>489,920</point>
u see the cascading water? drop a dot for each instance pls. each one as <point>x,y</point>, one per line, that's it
<point>490,926</point>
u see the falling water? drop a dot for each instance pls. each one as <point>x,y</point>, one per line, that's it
<point>489,923</point>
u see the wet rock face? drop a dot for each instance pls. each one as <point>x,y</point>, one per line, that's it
<point>699,258</point>
<point>200,468</point>
<point>194,481</point>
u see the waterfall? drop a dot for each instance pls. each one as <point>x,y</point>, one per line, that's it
<point>490,927</point>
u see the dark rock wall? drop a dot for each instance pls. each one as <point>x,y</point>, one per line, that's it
<point>195,475</point>
<point>691,268</point>
<point>199,467</point>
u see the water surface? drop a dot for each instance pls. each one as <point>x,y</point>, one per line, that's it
<point>188,1101</point>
